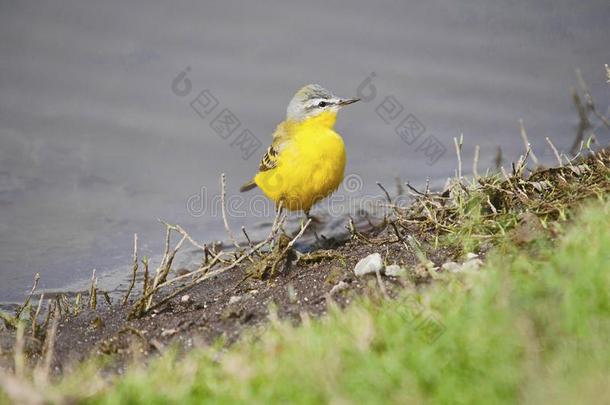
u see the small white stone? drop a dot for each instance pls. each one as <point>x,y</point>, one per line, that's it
<point>234,299</point>
<point>292,293</point>
<point>452,267</point>
<point>185,298</point>
<point>470,256</point>
<point>338,287</point>
<point>168,332</point>
<point>370,264</point>
<point>395,270</point>
<point>472,265</point>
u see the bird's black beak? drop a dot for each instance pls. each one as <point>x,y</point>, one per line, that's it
<point>348,101</point>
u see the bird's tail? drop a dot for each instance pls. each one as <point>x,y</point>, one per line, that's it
<point>248,186</point>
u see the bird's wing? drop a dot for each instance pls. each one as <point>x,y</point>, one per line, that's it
<point>280,140</point>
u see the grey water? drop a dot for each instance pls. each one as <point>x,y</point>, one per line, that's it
<point>116,113</point>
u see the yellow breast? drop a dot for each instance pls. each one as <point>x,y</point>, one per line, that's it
<point>309,168</point>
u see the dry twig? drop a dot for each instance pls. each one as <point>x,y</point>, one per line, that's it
<point>223,193</point>
<point>526,144</point>
<point>555,152</point>
<point>43,368</point>
<point>28,298</point>
<point>135,268</point>
<point>145,303</point>
<point>475,162</point>
<point>93,292</point>
<point>458,152</point>
<point>36,314</point>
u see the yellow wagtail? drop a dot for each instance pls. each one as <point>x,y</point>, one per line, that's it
<point>306,159</point>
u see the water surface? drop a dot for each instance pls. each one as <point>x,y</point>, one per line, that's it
<point>96,145</point>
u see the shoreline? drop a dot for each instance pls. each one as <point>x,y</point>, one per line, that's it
<point>430,241</point>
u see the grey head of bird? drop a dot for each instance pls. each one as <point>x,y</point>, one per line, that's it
<point>312,100</point>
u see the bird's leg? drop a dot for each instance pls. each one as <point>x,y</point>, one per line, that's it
<point>279,208</point>
<point>314,219</point>
<point>314,222</point>
<point>308,216</point>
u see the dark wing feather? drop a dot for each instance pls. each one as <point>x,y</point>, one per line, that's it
<point>280,139</point>
<point>269,160</point>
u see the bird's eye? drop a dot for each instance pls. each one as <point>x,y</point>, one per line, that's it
<point>322,104</point>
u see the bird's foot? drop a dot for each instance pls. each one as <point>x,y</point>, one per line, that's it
<point>314,220</point>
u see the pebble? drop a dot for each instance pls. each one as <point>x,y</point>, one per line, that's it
<point>370,264</point>
<point>234,299</point>
<point>451,267</point>
<point>292,294</point>
<point>395,270</point>
<point>168,332</point>
<point>339,287</point>
<point>185,298</point>
<point>472,263</point>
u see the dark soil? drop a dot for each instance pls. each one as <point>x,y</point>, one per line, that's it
<point>227,305</point>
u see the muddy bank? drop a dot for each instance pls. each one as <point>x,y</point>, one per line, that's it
<point>223,307</point>
<point>236,291</point>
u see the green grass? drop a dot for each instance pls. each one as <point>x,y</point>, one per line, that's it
<point>532,326</point>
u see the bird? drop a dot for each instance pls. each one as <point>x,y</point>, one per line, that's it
<point>306,160</point>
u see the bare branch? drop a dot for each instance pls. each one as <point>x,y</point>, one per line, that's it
<point>387,195</point>
<point>164,269</point>
<point>145,282</point>
<point>583,123</point>
<point>135,268</point>
<point>223,193</point>
<point>589,99</point>
<point>498,159</point>
<point>243,230</point>
<point>555,152</point>
<point>36,314</point>
<point>475,162</point>
<point>93,291</point>
<point>277,223</point>
<point>458,152</point>
<point>29,297</point>
<point>527,144</point>
<point>43,368</point>
<point>181,231</point>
